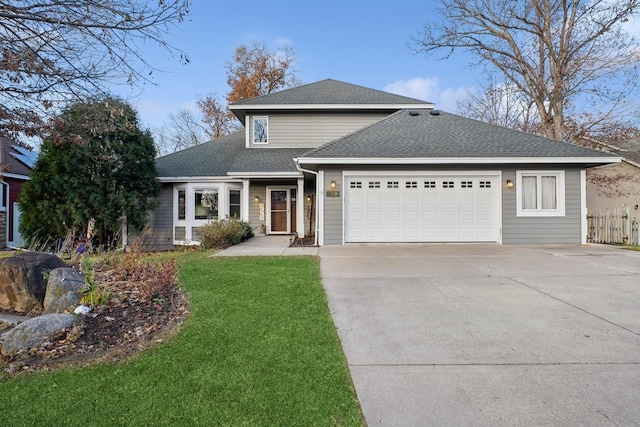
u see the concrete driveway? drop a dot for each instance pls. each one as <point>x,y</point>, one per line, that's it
<point>489,334</point>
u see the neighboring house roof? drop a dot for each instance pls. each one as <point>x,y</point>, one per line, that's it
<point>629,149</point>
<point>16,161</point>
<point>258,161</point>
<point>211,159</point>
<point>327,95</point>
<point>448,138</point>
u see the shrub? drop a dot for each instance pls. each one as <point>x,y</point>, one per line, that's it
<point>226,232</point>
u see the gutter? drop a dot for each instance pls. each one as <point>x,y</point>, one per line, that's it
<point>316,231</point>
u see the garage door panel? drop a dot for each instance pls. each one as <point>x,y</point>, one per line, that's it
<point>449,216</point>
<point>411,215</point>
<point>467,216</point>
<point>422,208</point>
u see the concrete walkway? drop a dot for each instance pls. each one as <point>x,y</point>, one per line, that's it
<point>267,245</point>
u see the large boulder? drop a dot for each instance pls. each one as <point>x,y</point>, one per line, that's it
<point>23,280</point>
<point>34,332</point>
<point>63,290</point>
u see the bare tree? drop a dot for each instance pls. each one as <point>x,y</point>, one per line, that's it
<point>184,130</point>
<point>256,71</point>
<point>219,120</point>
<point>502,104</point>
<point>571,58</point>
<point>252,71</point>
<point>53,52</point>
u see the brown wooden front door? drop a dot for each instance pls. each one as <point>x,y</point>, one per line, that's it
<point>279,211</point>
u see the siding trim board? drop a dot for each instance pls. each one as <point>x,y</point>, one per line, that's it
<point>512,229</point>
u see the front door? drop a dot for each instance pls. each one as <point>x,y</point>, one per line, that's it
<point>279,211</point>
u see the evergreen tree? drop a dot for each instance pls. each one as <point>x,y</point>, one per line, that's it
<point>96,167</point>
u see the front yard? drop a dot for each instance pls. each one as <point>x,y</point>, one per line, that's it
<point>259,349</point>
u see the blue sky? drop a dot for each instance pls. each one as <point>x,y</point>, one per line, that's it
<point>360,42</point>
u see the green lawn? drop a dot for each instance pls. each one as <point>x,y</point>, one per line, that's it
<point>259,349</point>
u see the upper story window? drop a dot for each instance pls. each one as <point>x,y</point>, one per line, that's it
<point>260,130</point>
<point>540,193</point>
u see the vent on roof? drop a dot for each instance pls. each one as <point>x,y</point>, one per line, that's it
<point>414,113</point>
<point>434,112</point>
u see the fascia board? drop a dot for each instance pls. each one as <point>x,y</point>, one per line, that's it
<point>193,178</point>
<point>14,176</point>
<point>425,106</point>
<point>456,160</point>
<point>265,174</point>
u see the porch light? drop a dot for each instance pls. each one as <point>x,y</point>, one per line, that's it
<point>333,185</point>
<point>256,199</point>
<point>309,198</point>
<point>509,183</point>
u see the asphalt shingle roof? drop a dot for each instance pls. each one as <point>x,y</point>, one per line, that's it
<point>11,160</point>
<point>213,158</point>
<point>266,160</point>
<point>403,135</point>
<point>329,92</point>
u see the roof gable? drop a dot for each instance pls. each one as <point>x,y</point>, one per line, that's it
<point>330,92</point>
<point>327,95</point>
<point>429,134</point>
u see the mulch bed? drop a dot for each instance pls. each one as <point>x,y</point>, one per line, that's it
<point>308,241</point>
<point>132,320</point>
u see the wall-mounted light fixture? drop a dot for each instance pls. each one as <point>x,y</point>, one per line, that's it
<point>309,198</point>
<point>333,185</point>
<point>256,199</point>
<point>510,183</point>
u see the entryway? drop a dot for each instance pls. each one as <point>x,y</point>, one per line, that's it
<point>281,208</point>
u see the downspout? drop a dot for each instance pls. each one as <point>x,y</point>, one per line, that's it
<point>315,232</point>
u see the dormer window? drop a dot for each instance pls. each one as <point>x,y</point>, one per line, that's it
<point>260,130</point>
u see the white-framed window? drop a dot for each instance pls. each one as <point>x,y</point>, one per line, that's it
<point>260,130</point>
<point>195,204</point>
<point>540,193</point>
<point>234,203</point>
<point>205,204</point>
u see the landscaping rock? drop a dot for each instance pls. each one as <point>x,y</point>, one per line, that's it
<point>63,290</point>
<point>23,280</point>
<point>34,332</point>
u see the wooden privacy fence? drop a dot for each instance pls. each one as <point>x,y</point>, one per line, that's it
<point>612,226</point>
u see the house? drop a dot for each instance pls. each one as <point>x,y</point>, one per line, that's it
<point>349,164</point>
<point>15,166</point>
<point>613,186</point>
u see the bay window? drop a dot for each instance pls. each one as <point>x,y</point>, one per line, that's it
<point>195,204</point>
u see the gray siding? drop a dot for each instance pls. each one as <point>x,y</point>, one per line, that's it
<point>260,190</point>
<point>312,130</point>
<point>533,230</point>
<point>158,235</point>
<point>333,220</point>
<point>543,230</point>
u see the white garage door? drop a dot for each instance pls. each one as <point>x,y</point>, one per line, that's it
<point>422,208</point>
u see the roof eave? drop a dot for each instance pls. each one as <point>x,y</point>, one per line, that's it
<point>456,160</point>
<point>265,174</point>
<point>241,110</point>
<point>169,179</point>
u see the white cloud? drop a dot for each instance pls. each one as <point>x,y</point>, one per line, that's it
<point>283,41</point>
<point>428,89</point>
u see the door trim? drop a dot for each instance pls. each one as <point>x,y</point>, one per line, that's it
<point>288,189</point>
